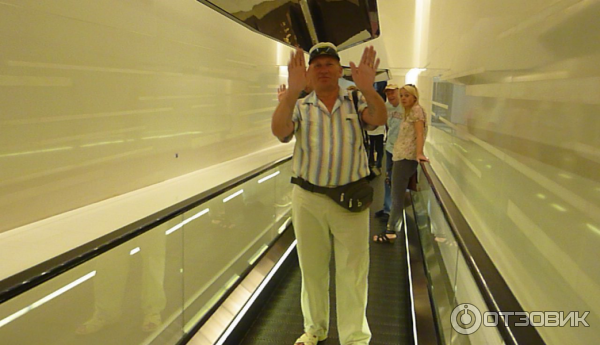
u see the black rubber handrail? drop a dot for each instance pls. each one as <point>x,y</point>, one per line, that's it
<point>494,290</point>
<point>38,274</point>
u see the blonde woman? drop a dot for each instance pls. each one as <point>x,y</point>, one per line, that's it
<point>408,152</point>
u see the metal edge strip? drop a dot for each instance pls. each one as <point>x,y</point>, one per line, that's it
<point>425,327</point>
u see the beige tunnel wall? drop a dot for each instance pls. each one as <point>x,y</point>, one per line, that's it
<point>99,98</point>
<point>518,145</point>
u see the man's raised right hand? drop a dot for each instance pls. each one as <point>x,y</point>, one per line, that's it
<point>297,78</point>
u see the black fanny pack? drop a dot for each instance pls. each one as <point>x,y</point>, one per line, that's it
<point>355,196</point>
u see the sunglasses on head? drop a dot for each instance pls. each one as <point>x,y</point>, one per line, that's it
<point>323,50</point>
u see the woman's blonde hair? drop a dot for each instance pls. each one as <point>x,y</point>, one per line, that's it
<point>412,89</point>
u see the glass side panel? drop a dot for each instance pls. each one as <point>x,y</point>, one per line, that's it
<point>155,287</point>
<point>283,192</point>
<point>467,292</point>
<point>520,166</point>
<point>227,235</point>
<point>440,253</point>
<point>451,283</point>
<point>131,293</point>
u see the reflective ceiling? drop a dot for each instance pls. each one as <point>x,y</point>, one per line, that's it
<point>301,22</point>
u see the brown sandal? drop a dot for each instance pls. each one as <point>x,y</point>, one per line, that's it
<point>384,237</point>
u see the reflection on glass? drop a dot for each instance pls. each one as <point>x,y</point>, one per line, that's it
<point>128,295</point>
<point>240,225</point>
<point>302,23</point>
<point>520,164</point>
<point>450,279</point>
<point>115,270</point>
<point>440,253</point>
<point>45,299</point>
<point>157,285</point>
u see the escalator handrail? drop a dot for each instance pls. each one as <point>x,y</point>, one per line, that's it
<point>492,286</point>
<point>27,279</point>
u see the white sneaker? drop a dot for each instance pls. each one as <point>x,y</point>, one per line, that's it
<point>308,339</point>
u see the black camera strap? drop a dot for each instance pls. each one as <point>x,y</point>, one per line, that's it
<point>365,136</point>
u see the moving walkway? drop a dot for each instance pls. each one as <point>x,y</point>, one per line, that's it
<point>221,268</point>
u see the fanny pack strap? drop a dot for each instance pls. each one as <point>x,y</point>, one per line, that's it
<point>309,186</point>
<point>366,140</point>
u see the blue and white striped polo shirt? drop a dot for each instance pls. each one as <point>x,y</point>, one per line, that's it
<point>329,148</point>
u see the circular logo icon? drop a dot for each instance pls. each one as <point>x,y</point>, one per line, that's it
<point>465,318</point>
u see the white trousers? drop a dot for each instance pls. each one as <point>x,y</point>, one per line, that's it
<point>317,220</point>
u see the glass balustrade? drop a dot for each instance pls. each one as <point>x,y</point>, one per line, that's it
<point>155,287</point>
<point>451,282</point>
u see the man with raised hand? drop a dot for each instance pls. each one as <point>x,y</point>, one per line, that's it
<point>329,153</point>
